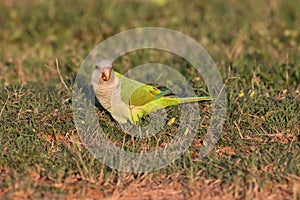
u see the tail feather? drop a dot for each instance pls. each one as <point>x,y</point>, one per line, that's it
<point>169,101</point>
<point>193,99</point>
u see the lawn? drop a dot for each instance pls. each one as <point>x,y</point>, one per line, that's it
<point>256,47</point>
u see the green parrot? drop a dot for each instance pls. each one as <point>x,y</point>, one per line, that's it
<point>130,100</point>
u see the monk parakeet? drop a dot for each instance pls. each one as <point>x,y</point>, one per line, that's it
<point>130,100</point>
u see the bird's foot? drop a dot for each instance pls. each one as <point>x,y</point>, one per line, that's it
<point>137,114</point>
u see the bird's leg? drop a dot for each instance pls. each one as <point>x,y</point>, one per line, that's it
<point>136,114</point>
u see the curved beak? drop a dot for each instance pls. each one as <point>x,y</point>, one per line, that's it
<point>106,74</point>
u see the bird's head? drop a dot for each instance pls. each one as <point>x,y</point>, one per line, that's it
<point>103,73</point>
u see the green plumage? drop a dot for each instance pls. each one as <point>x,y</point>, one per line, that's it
<point>130,100</point>
<point>136,93</point>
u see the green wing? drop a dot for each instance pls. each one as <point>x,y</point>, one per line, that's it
<point>136,93</point>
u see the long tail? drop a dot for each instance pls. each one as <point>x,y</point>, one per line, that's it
<point>193,99</point>
<point>170,101</point>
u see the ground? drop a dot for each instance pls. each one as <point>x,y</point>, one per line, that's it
<point>256,47</point>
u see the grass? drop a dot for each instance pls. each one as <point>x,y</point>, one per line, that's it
<point>256,46</point>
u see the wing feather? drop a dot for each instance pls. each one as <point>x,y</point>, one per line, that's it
<point>135,93</point>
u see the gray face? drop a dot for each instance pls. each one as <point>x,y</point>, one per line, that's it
<point>103,72</point>
<point>103,63</point>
